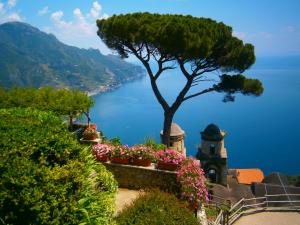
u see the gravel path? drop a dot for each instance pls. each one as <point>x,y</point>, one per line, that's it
<point>270,218</point>
<point>125,197</point>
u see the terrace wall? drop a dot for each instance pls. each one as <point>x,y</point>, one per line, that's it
<point>137,177</point>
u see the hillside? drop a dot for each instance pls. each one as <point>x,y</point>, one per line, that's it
<point>30,57</point>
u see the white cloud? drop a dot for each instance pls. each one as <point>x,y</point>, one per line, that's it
<point>7,13</point>
<point>77,27</point>
<point>240,35</point>
<point>11,3</point>
<point>56,16</point>
<point>104,16</point>
<point>77,13</point>
<point>14,17</point>
<point>96,9</point>
<point>81,30</point>
<point>43,11</point>
<point>290,29</point>
<point>252,36</point>
<point>46,29</point>
<point>1,7</point>
<point>265,35</point>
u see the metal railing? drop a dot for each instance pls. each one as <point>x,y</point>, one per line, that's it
<point>254,205</point>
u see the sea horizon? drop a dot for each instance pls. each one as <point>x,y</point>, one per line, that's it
<point>258,128</point>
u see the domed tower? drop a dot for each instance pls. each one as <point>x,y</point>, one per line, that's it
<point>213,154</point>
<point>176,138</point>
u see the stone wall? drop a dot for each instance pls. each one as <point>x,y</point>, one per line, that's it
<point>137,177</point>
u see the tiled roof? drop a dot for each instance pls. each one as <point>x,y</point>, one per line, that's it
<point>248,176</point>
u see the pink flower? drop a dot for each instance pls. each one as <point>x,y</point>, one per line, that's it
<point>169,156</point>
<point>192,181</point>
<point>142,152</point>
<point>101,149</point>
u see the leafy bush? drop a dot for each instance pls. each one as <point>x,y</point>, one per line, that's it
<point>115,141</point>
<point>46,177</point>
<point>155,208</point>
<point>294,180</point>
<point>62,102</point>
<point>150,142</point>
<point>211,212</point>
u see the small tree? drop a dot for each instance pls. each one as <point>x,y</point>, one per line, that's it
<point>63,101</point>
<point>73,103</point>
<point>196,45</point>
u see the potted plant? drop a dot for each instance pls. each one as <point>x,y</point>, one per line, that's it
<point>168,159</point>
<point>120,154</point>
<point>142,155</point>
<point>90,134</point>
<point>102,151</point>
<point>93,125</point>
<point>192,181</point>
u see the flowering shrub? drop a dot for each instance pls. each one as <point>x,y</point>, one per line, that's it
<point>142,152</point>
<point>169,156</point>
<point>192,180</point>
<point>99,150</point>
<point>121,151</point>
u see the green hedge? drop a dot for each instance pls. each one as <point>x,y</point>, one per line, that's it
<point>294,180</point>
<point>157,208</point>
<point>46,177</point>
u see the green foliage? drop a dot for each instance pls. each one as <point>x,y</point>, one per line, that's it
<point>187,37</point>
<point>294,180</point>
<point>211,212</point>
<point>157,208</point>
<point>150,142</point>
<point>97,198</point>
<point>61,102</point>
<point>239,83</point>
<point>116,141</point>
<point>46,177</point>
<point>33,58</point>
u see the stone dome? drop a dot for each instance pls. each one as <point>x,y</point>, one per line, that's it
<point>175,130</point>
<point>212,133</point>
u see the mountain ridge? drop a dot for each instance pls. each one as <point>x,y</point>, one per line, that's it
<point>30,57</point>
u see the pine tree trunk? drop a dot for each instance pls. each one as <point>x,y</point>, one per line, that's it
<point>165,139</point>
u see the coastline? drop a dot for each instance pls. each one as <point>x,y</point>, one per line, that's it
<point>111,87</point>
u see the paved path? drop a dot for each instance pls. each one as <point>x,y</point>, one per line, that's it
<point>125,197</point>
<point>270,218</point>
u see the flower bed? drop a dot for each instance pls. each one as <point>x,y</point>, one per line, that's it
<point>120,154</point>
<point>192,180</point>
<point>102,151</point>
<point>168,159</point>
<point>142,155</point>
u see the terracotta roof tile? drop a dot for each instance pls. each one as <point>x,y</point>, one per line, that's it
<point>248,176</point>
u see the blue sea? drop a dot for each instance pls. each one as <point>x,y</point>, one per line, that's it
<point>261,132</point>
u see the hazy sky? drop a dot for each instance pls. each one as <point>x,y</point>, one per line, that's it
<point>273,26</point>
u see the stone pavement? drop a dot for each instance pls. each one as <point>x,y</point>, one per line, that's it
<point>270,218</point>
<point>125,197</point>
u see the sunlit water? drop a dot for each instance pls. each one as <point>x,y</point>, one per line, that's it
<point>262,132</point>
